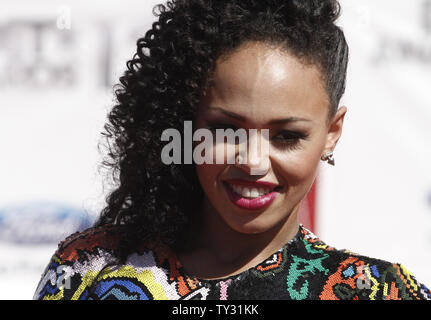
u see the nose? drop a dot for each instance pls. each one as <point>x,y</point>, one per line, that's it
<point>254,159</point>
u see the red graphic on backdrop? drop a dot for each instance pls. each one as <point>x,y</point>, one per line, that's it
<point>307,211</point>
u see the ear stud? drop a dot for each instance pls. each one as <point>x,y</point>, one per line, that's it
<point>329,157</point>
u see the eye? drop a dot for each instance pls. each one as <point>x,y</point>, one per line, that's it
<point>283,140</point>
<point>223,126</point>
<point>289,139</point>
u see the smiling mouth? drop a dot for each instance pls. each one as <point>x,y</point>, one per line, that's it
<point>251,196</point>
<point>251,192</point>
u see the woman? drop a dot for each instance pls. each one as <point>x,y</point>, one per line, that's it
<point>229,229</point>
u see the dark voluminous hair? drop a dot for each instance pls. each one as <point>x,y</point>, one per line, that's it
<point>162,86</point>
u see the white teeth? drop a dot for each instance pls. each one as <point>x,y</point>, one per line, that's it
<point>249,193</point>
<point>254,193</point>
<point>246,192</point>
<point>237,189</point>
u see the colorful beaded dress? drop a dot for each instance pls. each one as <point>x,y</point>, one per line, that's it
<point>86,267</point>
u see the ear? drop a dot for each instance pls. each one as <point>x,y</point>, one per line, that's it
<point>335,128</point>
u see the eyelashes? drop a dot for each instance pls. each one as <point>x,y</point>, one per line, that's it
<point>221,126</point>
<point>289,140</point>
<point>283,140</point>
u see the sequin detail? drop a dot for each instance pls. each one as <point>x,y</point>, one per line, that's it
<point>304,268</point>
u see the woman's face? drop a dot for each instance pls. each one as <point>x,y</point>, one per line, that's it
<point>259,87</point>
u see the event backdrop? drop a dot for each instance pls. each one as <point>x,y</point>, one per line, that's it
<point>59,61</point>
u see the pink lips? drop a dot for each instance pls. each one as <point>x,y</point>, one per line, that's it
<point>251,204</point>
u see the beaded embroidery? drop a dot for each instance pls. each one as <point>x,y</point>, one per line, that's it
<point>305,268</point>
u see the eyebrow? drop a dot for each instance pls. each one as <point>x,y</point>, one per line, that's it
<point>272,122</point>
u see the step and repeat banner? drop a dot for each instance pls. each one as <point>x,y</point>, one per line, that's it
<point>377,200</point>
<point>59,61</point>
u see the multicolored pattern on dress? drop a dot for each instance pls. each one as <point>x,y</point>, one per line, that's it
<point>86,267</point>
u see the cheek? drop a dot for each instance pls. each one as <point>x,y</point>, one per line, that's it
<point>207,175</point>
<point>299,166</point>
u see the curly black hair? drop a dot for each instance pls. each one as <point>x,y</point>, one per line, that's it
<point>162,87</point>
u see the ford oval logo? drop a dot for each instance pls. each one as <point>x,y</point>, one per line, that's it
<point>39,223</point>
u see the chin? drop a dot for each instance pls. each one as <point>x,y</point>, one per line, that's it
<point>256,225</point>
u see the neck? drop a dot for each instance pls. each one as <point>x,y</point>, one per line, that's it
<point>235,251</point>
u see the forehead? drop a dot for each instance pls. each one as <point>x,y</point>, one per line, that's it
<point>263,83</point>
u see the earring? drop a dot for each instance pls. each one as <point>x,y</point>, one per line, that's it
<point>329,156</point>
